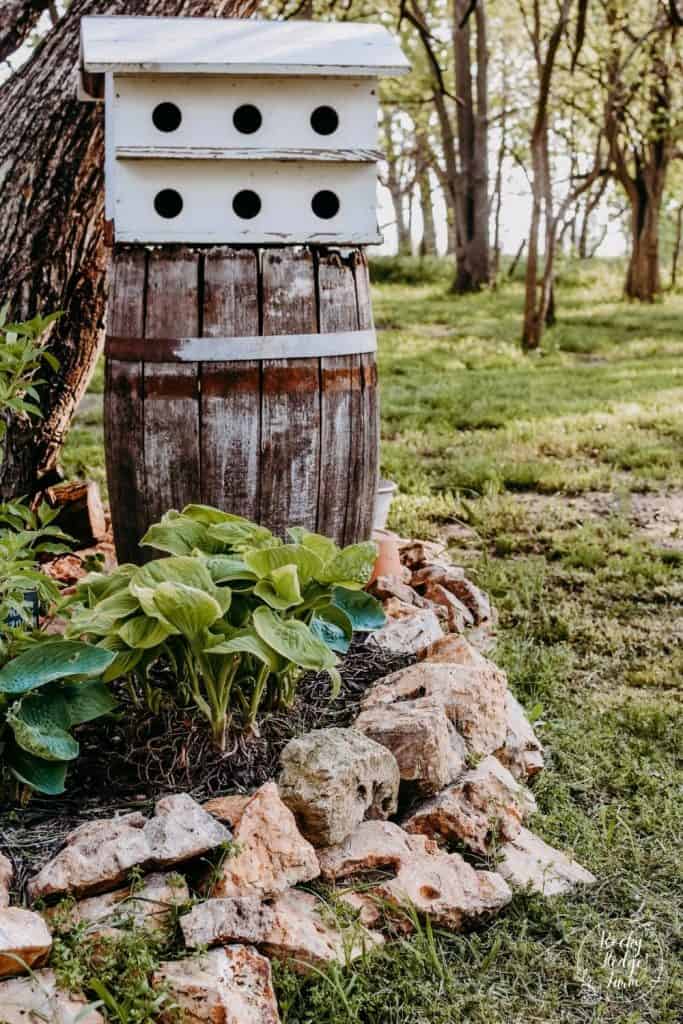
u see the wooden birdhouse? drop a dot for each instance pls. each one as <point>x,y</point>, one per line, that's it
<point>235,131</point>
<point>240,180</point>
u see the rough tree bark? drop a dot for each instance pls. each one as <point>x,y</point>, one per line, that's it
<point>51,214</point>
<point>472,182</point>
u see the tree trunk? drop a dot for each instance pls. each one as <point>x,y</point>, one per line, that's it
<point>471,191</point>
<point>51,219</point>
<point>642,275</point>
<point>677,247</point>
<point>428,241</point>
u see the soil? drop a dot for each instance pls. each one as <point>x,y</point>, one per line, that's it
<point>130,759</point>
<point>658,517</point>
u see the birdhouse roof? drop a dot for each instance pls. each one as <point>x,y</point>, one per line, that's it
<point>236,46</point>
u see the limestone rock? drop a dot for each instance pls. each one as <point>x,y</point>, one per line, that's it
<point>522,751</point>
<point>301,936</point>
<point>373,845</point>
<point>227,808</point>
<point>472,597</point>
<point>485,806</point>
<point>6,877</point>
<point>99,854</point>
<point>25,940</point>
<point>38,1000</point>
<point>332,779</point>
<point>149,905</point>
<point>436,572</point>
<point>232,985</point>
<point>459,616</point>
<point>366,906</point>
<point>429,751</point>
<point>473,697</point>
<point>446,888</point>
<point>455,650</point>
<point>529,861</point>
<point>271,854</point>
<point>440,884</point>
<point>180,830</point>
<point>384,587</point>
<point>242,919</point>
<point>417,553</point>
<point>410,631</point>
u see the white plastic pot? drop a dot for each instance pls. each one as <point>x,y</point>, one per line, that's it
<point>385,494</point>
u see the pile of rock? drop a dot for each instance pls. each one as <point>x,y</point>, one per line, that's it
<point>441,746</point>
<point>427,599</point>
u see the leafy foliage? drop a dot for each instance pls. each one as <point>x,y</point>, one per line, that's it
<point>239,614</point>
<point>45,691</point>
<point>24,535</point>
<point>21,357</point>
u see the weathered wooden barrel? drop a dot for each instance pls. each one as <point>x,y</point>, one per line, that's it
<point>244,379</point>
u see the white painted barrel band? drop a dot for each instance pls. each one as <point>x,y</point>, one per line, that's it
<point>269,346</point>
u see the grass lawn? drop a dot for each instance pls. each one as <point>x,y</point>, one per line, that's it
<point>558,480</point>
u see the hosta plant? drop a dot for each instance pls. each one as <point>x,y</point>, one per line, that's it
<point>45,691</point>
<point>238,614</point>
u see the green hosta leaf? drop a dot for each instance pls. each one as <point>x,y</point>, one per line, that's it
<point>352,567</point>
<point>103,618</point>
<point>124,663</point>
<point>210,516</point>
<point>40,724</point>
<point>178,534</point>
<point>98,585</point>
<point>363,610</point>
<point>250,643</point>
<point>86,701</point>
<point>192,572</point>
<point>323,547</point>
<point>188,609</point>
<point>228,569</point>
<point>330,634</point>
<point>44,776</point>
<point>55,659</point>
<point>282,590</point>
<point>264,562</point>
<point>144,632</point>
<point>338,617</point>
<point>293,640</point>
<point>237,534</point>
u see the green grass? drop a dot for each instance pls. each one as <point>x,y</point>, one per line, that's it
<point>488,448</point>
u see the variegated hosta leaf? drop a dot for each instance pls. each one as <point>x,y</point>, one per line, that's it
<point>265,561</point>
<point>293,640</point>
<point>189,609</point>
<point>281,590</point>
<point>352,567</point>
<point>250,643</point>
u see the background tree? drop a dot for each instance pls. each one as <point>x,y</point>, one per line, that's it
<point>641,70</point>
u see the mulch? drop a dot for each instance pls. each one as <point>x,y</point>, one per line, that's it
<point>129,760</point>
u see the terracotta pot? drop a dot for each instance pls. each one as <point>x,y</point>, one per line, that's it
<point>388,562</point>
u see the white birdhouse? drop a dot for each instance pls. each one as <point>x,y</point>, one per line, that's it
<point>232,131</point>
